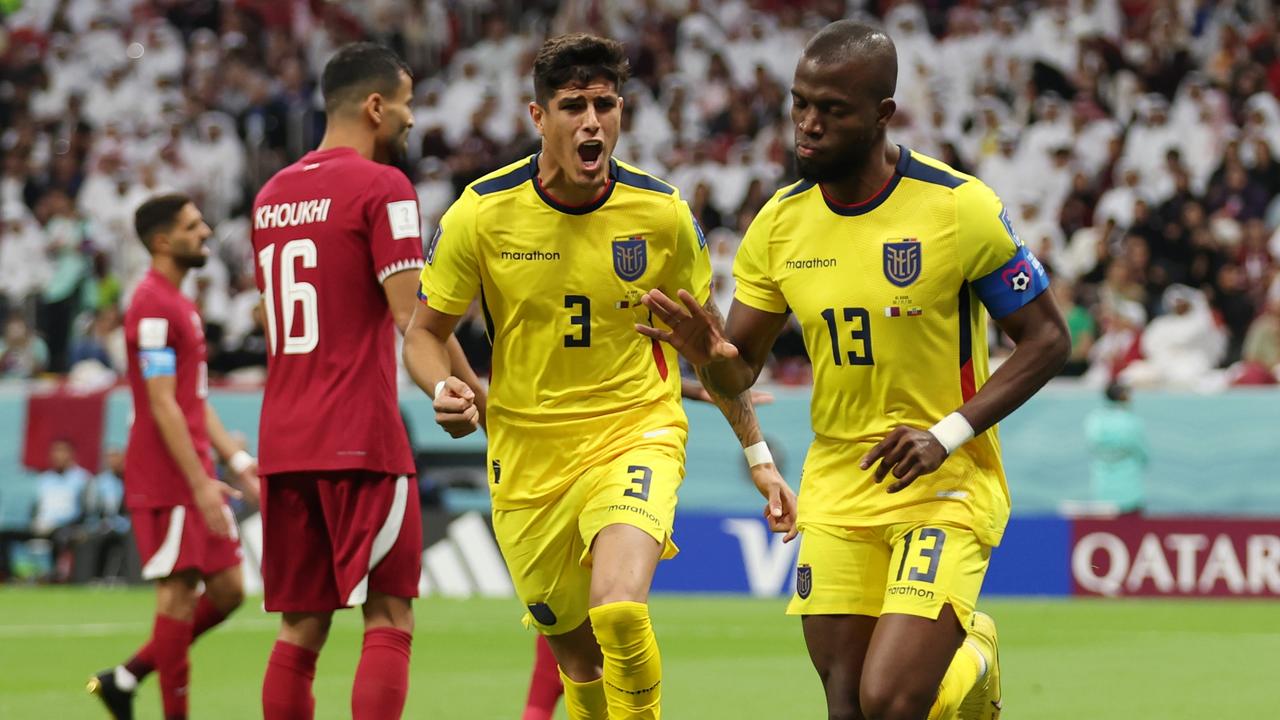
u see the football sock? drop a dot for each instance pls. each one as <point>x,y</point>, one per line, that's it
<point>584,701</point>
<point>142,663</point>
<point>544,687</point>
<point>286,690</point>
<point>965,670</point>
<point>171,639</point>
<point>382,678</point>
<point>632,665</point>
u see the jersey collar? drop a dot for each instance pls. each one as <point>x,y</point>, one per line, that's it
<point>595,204</point>
<point>875,201</point>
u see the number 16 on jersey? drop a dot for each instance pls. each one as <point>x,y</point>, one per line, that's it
<point>297,299</point>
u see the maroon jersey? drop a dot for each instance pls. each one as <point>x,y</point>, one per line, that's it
<point>165,337</point>
<point>327,230</point>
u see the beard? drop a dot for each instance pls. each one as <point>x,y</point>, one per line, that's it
<point>190,262</point>
<point>838,164</point>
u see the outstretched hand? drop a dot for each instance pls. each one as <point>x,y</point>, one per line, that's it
<point>695,333</point>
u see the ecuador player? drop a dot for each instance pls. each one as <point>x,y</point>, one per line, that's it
<point>586,431</point>
<point>891,262</point>
<point>182,525</point>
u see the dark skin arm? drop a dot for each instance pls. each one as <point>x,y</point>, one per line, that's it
<point>1042,345</point>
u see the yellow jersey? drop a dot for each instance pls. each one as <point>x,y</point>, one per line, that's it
<point>892,295</point>
<point>573,383</point>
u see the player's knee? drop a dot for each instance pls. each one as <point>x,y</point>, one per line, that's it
<point>227,597</point>
<point>388,611</point>
<point>892,701</point>
<point>308,630</point>
<point>842,694</point>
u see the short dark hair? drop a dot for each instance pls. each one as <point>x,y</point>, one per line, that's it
<point>158,214</point>
<point>845,40</point>
<point>357,70</point>
<point>577,59</point>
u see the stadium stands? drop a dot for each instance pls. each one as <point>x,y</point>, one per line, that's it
<point>1136,144</point>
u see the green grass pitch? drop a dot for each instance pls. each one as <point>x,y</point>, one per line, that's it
<point>723,658</point>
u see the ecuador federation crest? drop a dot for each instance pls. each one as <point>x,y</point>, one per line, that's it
<point>902,261</point>
<point>630,257</point>
<point>804,581</point>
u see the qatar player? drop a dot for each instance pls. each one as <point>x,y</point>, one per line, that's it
<point>338,248</point>
<point>181,523</point>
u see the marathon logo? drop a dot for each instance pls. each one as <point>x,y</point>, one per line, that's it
<point>284,215</point>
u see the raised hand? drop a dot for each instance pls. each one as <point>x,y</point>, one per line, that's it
<point>695,333</point>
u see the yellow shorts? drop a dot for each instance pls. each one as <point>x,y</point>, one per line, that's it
<point>548,547</point>
<point>907,568</point>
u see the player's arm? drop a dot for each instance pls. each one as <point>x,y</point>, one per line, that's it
<point>431,363</point>
<point>740,412</point>
<point>1012,284</point>
<point>160,377</point>
<point>402,295</point>
<point>244,467</point>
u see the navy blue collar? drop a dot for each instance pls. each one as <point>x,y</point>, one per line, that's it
<point>875,201</point>
<point>592,206</point>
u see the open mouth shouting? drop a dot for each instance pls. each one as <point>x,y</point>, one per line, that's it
<point>590,154</point>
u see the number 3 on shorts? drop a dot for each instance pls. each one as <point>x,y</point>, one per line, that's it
<point>934,553</point>
<point>640,478</point>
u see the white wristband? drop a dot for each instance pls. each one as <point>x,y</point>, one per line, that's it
<point>758,454</point>
<point>240,461</point>
<point>952,431</point>
<point>439,389</point>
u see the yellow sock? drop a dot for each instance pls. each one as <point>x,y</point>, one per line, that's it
<point>584,701</point>
<point>965,670</point>
<point>632,666</point>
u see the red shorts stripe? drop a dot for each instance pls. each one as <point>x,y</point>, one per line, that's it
<point>329,538</point>
<point>172,539</point>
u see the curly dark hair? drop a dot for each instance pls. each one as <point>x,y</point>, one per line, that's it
<point>576,60</point>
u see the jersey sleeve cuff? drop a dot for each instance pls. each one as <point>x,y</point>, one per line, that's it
<point>1012,285</point>
<point>399,266</point>
<point>448,307</point>
<point>758,303</point>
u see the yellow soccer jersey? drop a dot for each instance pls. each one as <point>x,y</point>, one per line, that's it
<point>560,288</point>
<point>891,294</point>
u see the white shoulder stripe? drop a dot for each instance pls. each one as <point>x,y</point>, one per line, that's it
<point>399,266</point>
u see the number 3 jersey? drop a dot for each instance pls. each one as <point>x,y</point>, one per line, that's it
<point>327,231</point>
<point>573,382</point>
<point>890,294</point>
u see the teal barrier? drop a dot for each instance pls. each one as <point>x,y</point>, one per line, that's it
<point>1215,454</point>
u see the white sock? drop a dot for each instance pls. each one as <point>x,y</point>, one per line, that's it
<point>125,680</point>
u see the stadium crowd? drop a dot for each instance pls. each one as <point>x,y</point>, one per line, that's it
<point>1136,144</point>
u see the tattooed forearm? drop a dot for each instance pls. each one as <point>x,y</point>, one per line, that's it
<point>738,409</point>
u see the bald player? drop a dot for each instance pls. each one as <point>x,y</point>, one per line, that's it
<point>891,261</point>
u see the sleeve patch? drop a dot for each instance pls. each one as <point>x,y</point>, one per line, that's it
<point>697,228</point>
<point>160,362</point>
<point>1012,285</point>
<point>403,218</point>
<point>1013,234</point>
<point>153,333</point>
<point>431,246</point>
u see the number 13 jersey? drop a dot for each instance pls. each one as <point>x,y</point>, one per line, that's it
<point>327,231</point>
<point>890,294</point>
<point>560,286</point>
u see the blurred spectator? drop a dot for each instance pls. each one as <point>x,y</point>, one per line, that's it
<point>1260,353</point>
<point>1118,454</point>
<point>22,353</point>
<point>59,506</point>
<point>1120,343</point>
<point>1180,347</point>
<point>1079,323</point>
<point>104,537</point>
<point>104,341</point>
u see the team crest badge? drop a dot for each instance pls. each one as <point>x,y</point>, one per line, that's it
<point>804,581</point>
<point>902,261</point>
<point>630,257</point>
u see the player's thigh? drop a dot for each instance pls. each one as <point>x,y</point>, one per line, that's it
<point>225,588</point>
<point>543,552</point>
<point>297,558</point>
<point>907,660</point>
<point>837,647</point>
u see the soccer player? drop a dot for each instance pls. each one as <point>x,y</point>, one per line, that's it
<point>337,241</point>
<point>891,261</point>
<point>182,525</point>
<point>586,431</point>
